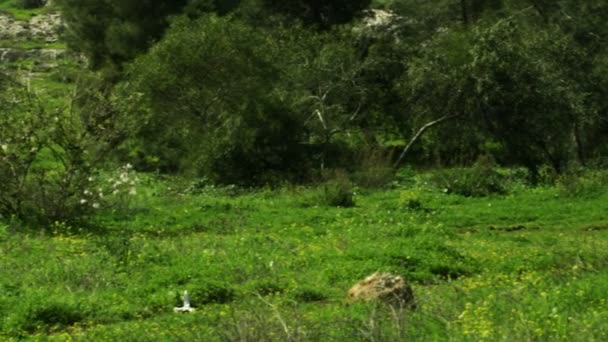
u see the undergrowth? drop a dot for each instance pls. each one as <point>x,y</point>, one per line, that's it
<point>275,265</point>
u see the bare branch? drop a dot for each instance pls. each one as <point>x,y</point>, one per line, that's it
<point>419,134</point>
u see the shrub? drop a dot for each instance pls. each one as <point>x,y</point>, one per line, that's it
<point>338,191</point>
<point>546,175</point>
<point>306,295</point>
<point>212,293</point>
<point>582,183</point>
<point>410,200</point>
<point>482,179</point>
<point>375,168</point>
<point>47,159</point>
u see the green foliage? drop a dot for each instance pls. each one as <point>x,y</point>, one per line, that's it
<point>339,191</point>
<point>374,169</point>
<point>29,3</point>
<point>205,100</point>
<point>320,13</point>
<point>209,293</point>
<point>497,77</point>
<point>113,32</point>
<point>410,200</point>
<point>582,182</point>
<point>467,259</point>
<point>48,159</point>
<point>482,179</point>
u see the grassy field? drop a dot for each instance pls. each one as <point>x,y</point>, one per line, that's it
<point>276,264</point>
<point>530,264</point>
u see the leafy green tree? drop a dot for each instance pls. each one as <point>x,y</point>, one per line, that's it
<point>499,78</point>
<point>113,32</point>
<point>206,102</point>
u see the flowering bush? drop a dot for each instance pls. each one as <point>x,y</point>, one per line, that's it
<point>46,159</point>
<point>114,193</point>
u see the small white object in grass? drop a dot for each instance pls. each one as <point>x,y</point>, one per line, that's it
<point>186,307</point>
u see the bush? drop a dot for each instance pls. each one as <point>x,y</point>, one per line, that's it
<point>338,191</point>
<point>47,159</point>
<point>482,179</point>
<point>375,168</point>
<point>582,183</point>
<point>410,200</point>
<point>212,293</point>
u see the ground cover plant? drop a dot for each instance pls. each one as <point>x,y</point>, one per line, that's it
<point>264,157</point>
<point>276,264</point>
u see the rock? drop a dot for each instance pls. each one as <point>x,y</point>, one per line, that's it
<point>44,26</point>
<point>12,55</point>
<point>384,287</point>
<point>10,28</point>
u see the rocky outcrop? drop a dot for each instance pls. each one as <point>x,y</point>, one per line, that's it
<point>43,27</point>
<point>12,55</point>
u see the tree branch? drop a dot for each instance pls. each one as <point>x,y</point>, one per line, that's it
<point>419,134</point>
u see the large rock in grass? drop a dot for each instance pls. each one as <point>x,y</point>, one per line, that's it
<point>383,287</point>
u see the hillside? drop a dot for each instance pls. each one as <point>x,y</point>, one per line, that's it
<point>229,170</point>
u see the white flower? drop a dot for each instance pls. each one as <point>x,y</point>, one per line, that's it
<point>128,166</point>
<point>115,192</point>
<point>124,177</point>
<point>90,179</point>
<point>95,205</point>
<point>87,192</point>
<point>83,201</point>
<point>4,147</point>
<point>133,192</point>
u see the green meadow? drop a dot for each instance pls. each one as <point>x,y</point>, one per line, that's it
<point>275,265</point>
<point>497,217</point>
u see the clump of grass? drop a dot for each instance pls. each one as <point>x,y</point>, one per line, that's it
<point>339,191</point>
<point>375,168</point>
<point>582,183</point>
<point>410,199</point>
<point>480,180</point>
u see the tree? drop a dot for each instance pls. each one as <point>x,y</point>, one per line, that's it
<point>207,103</point>
<point>499,78</point>
<point>113,32</point>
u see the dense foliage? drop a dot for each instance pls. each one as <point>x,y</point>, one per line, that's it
<point>256,92</point>
<point>265,155</point>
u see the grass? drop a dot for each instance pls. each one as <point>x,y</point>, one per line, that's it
<point>30,44</point>
<point>276,265</point>
<point>7,6</point>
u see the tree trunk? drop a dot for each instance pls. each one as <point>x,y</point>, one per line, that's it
<point>465,13</point>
